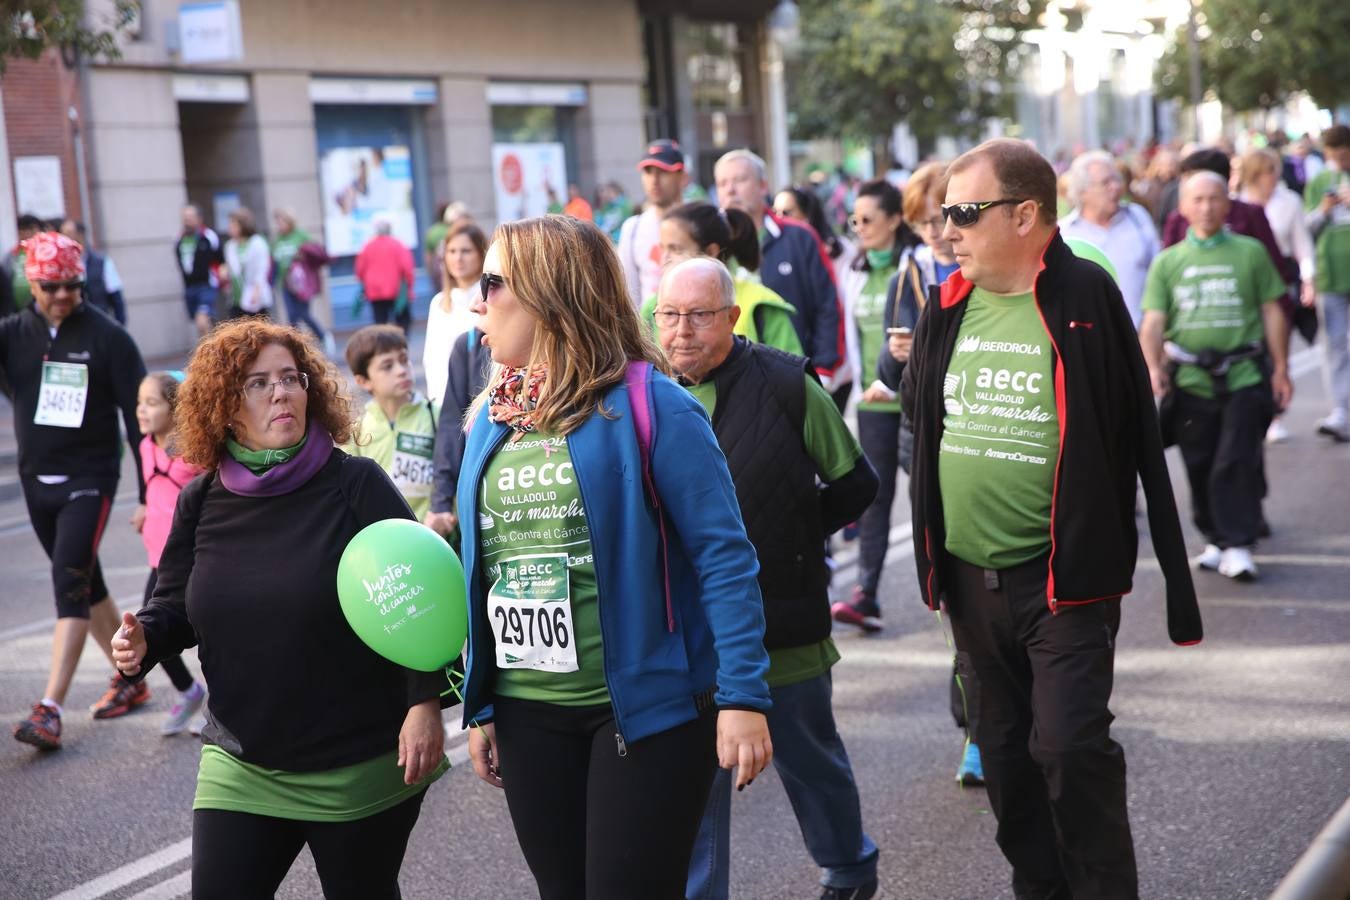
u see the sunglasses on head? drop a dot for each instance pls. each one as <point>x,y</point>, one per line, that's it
<point>489,282</point>
<point>964,215</point>
<point>51,287</point>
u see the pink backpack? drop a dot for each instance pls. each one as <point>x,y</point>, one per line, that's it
<point>638,382</point>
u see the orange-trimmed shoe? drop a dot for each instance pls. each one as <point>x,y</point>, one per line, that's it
<point>42,728</point>
<point>121,698</point>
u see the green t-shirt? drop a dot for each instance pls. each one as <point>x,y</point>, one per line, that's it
<point>1211,291</point>
<point>869,311</point>
<point>23,292</point>
<point>543,605</point>
<point>435,234</point>
<point>835,452</point>
<point>1333,241</point>
<point>1000,440</point>
<point>187,251</point>
<point>344,794</point>
<point>284,248</point>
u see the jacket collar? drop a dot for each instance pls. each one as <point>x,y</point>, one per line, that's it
<point>956,288</point>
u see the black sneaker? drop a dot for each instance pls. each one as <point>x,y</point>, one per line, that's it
<point>861,892</point>
<point>860,611</point>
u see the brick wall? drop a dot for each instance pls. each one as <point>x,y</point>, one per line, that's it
<point>38,94</point>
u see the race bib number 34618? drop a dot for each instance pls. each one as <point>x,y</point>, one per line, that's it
<point>64,391</point>
<point>530,607</point>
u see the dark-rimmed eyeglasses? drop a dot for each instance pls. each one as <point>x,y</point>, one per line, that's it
<point>51,287</point>
<point>698,318</point>
<point>964,215</point>
<point>258,386</point>
<point>488,283</point>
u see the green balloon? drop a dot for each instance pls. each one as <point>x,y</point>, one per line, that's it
<point>1088,250</point>
<point>402,590</point>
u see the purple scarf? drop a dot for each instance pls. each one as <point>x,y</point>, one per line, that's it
<point>282,478</point>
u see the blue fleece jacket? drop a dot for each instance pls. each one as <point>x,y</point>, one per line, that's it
<point>653,673</point>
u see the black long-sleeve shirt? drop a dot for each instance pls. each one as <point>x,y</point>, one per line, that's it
<point>470,363</point>
<point>252,581</point>
<point>87,337</point>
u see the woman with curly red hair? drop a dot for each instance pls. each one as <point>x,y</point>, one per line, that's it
<point>307,728</point>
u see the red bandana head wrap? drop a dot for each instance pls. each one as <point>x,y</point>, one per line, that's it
<point>53,257</point>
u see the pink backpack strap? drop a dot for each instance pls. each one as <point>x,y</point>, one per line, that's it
<point>638,381</point>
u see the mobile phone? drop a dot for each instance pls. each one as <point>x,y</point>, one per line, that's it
<point>900,330</point>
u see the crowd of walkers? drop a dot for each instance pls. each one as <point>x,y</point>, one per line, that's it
<point>655,412</point>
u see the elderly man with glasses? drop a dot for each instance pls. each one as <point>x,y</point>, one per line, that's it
<point>72,370</point>
<point>1033,418</point>
<point>783,438</point>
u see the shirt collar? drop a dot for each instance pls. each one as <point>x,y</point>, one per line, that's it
<point>1206,243</point>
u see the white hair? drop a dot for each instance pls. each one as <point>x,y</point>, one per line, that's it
<point>1080,172</point>
<point>706,265</point>
<point>1204,175</point>
<point>383,225</point>
<point>744,155</point>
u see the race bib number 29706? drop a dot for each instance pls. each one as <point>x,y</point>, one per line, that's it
<point>530,608</point>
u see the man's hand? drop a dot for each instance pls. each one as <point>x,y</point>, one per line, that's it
<point>128,645</point>
<point>421,741</point>
<point>1161,382</point>
<point>743,741</point>
<point>1282,389</point>
<point>442,523</point>
<point>138,518</point>
<point>878,393</point>
<point>898,345</point>
<point>483,754</point>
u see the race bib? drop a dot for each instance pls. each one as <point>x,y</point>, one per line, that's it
<point>530,608</point>
<point>61,399</point>
<point>412,469</point>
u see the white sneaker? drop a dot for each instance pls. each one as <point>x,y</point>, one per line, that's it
<point>188,704</point>
<point>1334,426</point>
<point>198,725</point>
<point>1237,564</point>
<point>1210,559</point>
<point>1277,433</point>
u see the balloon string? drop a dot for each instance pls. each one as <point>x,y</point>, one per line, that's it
<point>455,685</point>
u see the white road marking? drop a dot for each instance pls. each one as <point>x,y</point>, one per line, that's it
<point>131,872</point>
<point>179,885</point>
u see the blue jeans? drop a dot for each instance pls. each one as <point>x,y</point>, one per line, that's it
<point>297,311</point>
<point>1335,325</point>
<point>814,768</point>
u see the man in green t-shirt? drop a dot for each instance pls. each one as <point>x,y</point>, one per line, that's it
<point>1210,316</point>
<point>782,436</point>
<point>1327,202</point>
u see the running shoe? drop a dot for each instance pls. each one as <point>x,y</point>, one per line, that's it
<point>121,698</point>
<point>1277,433</point>
<point>861,892</point>
<point>971,771</point>
<point>42,728</point>
<point>860,610</point>
<point>1210,559</point>
<point>1237,564</point>
<point>187,705</point>
<point>1334,427</point>
<point>198,725</point>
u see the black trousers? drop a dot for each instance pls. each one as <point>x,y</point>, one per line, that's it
<point>1222,444</point>
<point>1056,779</point>
<point>174,666</point>
<point>879,435</point>
<point>383,311</point>
<point>241,856</point>
<point>596,824</point>
<point>69,519</point>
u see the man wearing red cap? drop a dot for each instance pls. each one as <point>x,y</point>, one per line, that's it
<point>71,369</point>
<point>663,182</point>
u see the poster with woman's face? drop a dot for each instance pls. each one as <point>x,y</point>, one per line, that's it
<point>527,177</point>
<point>360,184</point>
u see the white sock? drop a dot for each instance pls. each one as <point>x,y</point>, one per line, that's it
<point>52,704</point>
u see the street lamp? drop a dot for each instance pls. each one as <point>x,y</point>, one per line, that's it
<point>783,33</point>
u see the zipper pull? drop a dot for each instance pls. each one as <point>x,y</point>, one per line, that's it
<point>623,748</point>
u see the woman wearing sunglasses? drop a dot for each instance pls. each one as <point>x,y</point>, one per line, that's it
<point>615,624</point>
<point>884,241</point>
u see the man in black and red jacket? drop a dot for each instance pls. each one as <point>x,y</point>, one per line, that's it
<point>1033,418</point>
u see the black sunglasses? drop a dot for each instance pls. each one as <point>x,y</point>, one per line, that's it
<point>51,287</point>
<point>964,215</point>
<point>488,282</point>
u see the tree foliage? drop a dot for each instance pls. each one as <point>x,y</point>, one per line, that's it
<point>941,66</point>
<point>29,28</point>
<point>1255,53</point>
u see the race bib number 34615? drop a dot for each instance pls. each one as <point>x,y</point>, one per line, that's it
<point>530,607</point>
<point>64,391</point>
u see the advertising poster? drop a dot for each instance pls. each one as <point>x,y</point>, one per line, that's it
<point>522,175</point>
<point>360,185</point>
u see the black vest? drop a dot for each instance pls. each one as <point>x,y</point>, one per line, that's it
<point>758,419</point>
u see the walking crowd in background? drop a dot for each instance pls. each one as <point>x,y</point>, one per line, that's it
<point>761,366</point>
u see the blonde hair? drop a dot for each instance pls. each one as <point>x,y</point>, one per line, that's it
<point>565,273</point>
<point>1257,162</point>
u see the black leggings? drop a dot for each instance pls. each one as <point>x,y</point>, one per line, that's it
<point>68,519</point>
<point>242,856</point>
<point>879,433</point>
<point>592,823</point>
<point>174,666</point>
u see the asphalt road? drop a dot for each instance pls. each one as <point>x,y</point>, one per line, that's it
<point>1238,749</point>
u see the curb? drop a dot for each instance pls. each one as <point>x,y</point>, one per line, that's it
<point>1323,871</point>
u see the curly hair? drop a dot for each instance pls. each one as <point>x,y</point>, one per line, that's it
<point>211,395</point>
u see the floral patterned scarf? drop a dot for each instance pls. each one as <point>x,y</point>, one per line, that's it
<point>515,396</point>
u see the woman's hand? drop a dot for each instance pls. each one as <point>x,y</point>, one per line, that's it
<point>421,741</point>
<point>443,523</point>
<point>128,645</point>
<point>898,345</point>
<point>483,753</point>
<point>878,393</point>
<point>743,741</point>
<point>138,518</point>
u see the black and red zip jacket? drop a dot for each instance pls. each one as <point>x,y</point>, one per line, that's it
<point>1108,435</point>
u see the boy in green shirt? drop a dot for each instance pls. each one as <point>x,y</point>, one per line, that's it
<point>1327,202</point>
<point>398,429</point>
<point>1211,299</point>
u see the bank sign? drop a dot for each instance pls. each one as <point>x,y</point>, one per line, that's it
<point>210,32</point>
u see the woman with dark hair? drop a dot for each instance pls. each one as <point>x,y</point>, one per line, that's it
<point>886,242</point>
<point>311,737</point>
<point>615,622</point>
<point>701,229</point>
<point>801,204</point>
